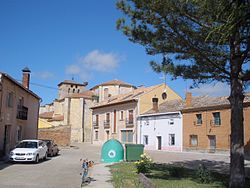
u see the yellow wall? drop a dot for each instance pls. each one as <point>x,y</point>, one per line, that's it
<point>42,123</point>
<point>145,100</point>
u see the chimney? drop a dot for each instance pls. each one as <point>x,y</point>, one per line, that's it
<point>26,78</point>
<point>155,104</point>
<point>188,99</point>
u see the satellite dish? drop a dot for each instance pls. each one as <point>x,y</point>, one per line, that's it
<point>164,95</point>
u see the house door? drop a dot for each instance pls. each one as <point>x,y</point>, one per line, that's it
<point>107,132</point>
<point>212,142</point>
<point>159,142</point>
<point>114,121</point>
<point>6,139</point>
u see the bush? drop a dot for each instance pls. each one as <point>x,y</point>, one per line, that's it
<point>176,171</point>
<point>143,165</point>
<point>203,174</point>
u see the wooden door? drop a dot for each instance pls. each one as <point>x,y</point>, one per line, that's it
<point>159,142</point>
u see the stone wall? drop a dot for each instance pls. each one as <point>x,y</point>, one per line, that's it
<point>60,134</point>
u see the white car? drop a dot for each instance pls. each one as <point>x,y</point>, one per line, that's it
<point>29,150</point>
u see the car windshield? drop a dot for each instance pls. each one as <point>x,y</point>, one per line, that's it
<point>27,145</point>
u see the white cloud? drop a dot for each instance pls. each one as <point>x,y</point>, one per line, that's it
<point>73,69</point>
<point>45,75</point>
<point>218,89</point>
<point>100,62</point>
<point>94,61</point>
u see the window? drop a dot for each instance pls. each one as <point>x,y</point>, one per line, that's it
<point>127,136</point>
<point>10,99</point>
<point>20,103</point>
<point>68,90</point>
<point>193,140</point>
<point>73,90</point>
<point>107,133</point>
<point>96,135</point>
<point>96,122</point>
<point>171,121</point>
<point>145,139</point>
<point>107,117</point>
<point>121,115</point>
<point>130,117</point>
<point>171,139</point>
<point>217,120</point>
<point>198,119</point>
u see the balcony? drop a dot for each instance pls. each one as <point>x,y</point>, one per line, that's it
<point>22,113</point>
<point>106,124</point>
<point>129,122</point>
<point>95,125</point>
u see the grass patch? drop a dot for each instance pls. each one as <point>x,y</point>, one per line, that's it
<point>165,175</point>
<point>124,175</point>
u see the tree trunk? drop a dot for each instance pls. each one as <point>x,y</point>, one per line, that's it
<point>237,170</point>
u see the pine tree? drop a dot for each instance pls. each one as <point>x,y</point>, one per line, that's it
<point>208,41</point>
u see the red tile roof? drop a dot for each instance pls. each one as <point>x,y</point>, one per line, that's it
<point>46,115</point>
<point>114,82</point>
<point>131,96</point>
<point>19,84</point>
<point>57,118</point>
<point>73,82</point>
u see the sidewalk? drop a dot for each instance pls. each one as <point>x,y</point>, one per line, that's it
<point>102,176</point>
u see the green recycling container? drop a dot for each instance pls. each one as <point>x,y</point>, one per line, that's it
<point>112,151</point>
<point>134,151</point>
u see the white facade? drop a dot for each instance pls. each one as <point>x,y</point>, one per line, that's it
<point>161,131</point>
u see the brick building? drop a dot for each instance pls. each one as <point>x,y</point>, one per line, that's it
<point>206,123</point>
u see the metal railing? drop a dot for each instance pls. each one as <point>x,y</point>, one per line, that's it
<point>106,124</point>
<point>95,125</point>
<point>22,113</point>
<point>129,122</point>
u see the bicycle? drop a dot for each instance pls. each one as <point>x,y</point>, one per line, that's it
<point>85,171</point>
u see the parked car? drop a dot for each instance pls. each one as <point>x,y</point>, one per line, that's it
<point>29,150</point>
<point>53,149</point>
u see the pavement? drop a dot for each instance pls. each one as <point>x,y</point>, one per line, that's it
<point>101,176</point>
<point>100,173</point>
<point>64,170</point>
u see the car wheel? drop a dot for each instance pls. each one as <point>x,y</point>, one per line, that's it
<point>37,159</point>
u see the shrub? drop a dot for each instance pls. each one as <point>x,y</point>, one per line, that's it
<point>143,165</point>
<point>203,174</point>
<point>176,171</point>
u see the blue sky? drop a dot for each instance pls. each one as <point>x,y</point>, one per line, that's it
<point>61,39</point>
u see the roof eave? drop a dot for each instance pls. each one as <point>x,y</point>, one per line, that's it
<point>115,103</point>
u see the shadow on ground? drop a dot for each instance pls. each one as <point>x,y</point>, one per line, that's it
<point>4,164</point>
<point>188,169</point>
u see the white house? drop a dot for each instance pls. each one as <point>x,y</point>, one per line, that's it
<point>161,127</point>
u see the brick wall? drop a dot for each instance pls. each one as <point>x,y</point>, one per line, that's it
<point>61,135</point>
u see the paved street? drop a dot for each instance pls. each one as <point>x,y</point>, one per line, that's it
<point>64,170</point>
